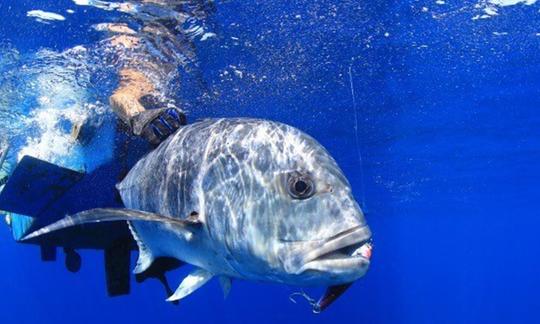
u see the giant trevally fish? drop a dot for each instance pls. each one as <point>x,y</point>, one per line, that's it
<point>242,198</point>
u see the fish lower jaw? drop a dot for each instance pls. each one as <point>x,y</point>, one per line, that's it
<point>338,264</point>
<point>351,259</point>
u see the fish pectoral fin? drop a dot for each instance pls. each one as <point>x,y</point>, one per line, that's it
<point>110,215</point>
<point>192,282</point>
<point>225,283</point>
<point>145,256</point>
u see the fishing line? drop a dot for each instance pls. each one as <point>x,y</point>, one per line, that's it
<point>312,302</point>
<point>357,139</point>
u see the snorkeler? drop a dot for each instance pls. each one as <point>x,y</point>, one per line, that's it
<point>148,59</point>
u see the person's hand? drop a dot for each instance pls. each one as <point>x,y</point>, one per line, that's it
<point>156,125</point>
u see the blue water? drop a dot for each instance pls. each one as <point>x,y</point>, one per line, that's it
<point>432,115</point>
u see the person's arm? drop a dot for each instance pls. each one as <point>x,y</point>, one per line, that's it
<point>126,100</point>
<point>133,84</point>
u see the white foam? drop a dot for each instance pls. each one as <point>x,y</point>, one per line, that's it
<point>98,4</point>
<point>490,11</point>
<point>506,3</point>
<point>491,8</point>
<point>207,35</point>
<point>52,145</point>
<point>61,103</point>
<point>45,15</point>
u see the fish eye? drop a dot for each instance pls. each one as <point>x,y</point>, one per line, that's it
<point>300,186</point>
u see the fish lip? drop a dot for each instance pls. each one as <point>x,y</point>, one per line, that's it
<point>353,267</point>
<point>317,259</point>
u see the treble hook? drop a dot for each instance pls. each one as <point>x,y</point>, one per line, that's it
<point>314,305</point>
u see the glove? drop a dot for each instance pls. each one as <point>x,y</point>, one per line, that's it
<point>155,125</point>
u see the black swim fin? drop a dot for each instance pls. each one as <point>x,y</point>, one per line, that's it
<point>35,185</point>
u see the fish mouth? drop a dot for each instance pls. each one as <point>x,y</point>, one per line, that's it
<point>347,253</point>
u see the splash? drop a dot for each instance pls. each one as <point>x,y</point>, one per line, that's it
<point>45,15</point>
<point>506,3</point>
<point>97,4</point>
<point>491,8</point>
<point>52,143</point>
<point>43,97</point>
<point>59,83</point>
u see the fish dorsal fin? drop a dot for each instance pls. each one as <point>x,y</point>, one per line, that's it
<point>110,215</point>
<point>225,283</point>
<point>192,282</point>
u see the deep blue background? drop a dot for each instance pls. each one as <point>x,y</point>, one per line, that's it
<point>448,130</point>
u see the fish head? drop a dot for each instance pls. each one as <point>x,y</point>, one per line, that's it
<point>322,237</point>
<point>293,218</point>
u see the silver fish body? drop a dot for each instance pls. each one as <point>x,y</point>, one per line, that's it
<point>272,203</point>
<point>242,198</point>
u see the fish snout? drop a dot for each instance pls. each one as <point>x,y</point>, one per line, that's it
<point>346,255</point>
